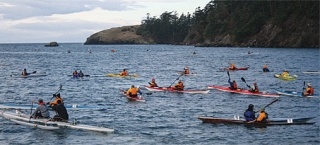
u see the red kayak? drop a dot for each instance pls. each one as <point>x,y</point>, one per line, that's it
<point>239,68</point>
<point>138,99</point>
<point>242,91</point>
<point>169,89</point>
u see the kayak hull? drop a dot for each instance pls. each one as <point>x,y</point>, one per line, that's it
<point>27,107</point>
<point>165,89</point>
<point>119,76</point>
<point>29,76</point>
<point>24,119</point>
<point>136,99</point>
<point>294,94</point>
<point>240,68</point>
<point>289,121</point>
<point>287,78</point>
<point>242,91</point>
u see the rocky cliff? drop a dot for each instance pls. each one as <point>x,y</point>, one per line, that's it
<point>119,35</point>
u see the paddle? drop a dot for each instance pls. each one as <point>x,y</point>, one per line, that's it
<point>304,84</point>
<point>228,74</point>
<point>275,100</point>
<point>59,89</point>
<point>31,111</point>
<point>245,82</point>
<point>175,80</point>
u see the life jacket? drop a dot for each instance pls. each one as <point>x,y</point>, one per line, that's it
<point>233,67</point>
<point>132,92</point>
<point>310,91</point>
<point>75,74</point>
<point>124,73</point>
<point>55,102</point>
<point>235,86</point>
<point>24,73</point>
<point>186,71</point>
<point>153,84</point>
<point>263,116</point>
<point>179,86</point>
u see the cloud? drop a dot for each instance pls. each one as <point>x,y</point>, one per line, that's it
<point>20,9</point>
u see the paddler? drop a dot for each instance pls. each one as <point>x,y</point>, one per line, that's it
<point>133,91</point>
<point>24,72</point>
<point>55,102</point>
<point>179,86</point>
<point>233,85</point>
<point>309,90</point>
<point>61,112</point>
<point>232,66</point>
<point>41,111</point>
<point>265,68</point>
<point>262,117</point>
<point>81,74</point>
<point>249,114</point>
<point>124,73</point>
<point>153,83</point>
<point>285,73</point>
<point>186,70</point>
<point>254,88</point>
<point>75,73</point>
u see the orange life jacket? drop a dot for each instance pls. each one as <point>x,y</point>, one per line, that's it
<point>132,92</point>
<point>55,102</point>
<point>310,91</point>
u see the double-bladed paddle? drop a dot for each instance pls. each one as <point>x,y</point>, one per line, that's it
<point>175,80</point>
<point>245,82</point>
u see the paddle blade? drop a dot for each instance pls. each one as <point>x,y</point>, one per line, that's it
<point>34,72</point>
<point>228,74</point>
<point>243,79</point>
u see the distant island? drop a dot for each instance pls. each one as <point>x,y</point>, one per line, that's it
<point>226,24</point>
<point>52,44</point>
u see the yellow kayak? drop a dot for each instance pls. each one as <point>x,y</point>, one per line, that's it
<point>286,78</point>
<point>119,76</point>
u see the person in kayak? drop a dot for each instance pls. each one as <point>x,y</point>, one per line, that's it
<point>262,117</point>
<point>24,72</point>
<point>249,114</point>
<point>61,112</point>
<point>133,91</point>
<point>265,68</point>
<point>124,73</point>
<point>233,85</point>
<point>254,87</point>
<point>179,86</point>
<point>186,70</point>
<point>41,111</point>
<point>309,90</point>
<point>55,102</point>
<point>75,73</point>
<point>285,73</point>
<point>81,74</point>
<point>232,66</point>
<point>153,83</point>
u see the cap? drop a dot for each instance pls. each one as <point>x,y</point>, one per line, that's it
<point>308,84</point>
<point>40,100</point>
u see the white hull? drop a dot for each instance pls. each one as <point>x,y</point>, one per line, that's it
<point>48,125</point>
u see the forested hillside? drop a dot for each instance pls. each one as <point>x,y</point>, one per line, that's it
<point>239,23</point>
<point>227,23</point>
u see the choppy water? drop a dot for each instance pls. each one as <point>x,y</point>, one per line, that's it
<point>165,118</point>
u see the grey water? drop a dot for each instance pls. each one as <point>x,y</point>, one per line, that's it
<point>165,118</point>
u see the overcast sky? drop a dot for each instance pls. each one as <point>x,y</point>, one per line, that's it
<point>42,21</point>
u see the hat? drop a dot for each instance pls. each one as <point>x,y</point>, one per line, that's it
<point>262,109</point>
<point>40,100</point>
<point>309,84</point>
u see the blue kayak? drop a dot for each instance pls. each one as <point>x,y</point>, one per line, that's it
<point>294,94</point>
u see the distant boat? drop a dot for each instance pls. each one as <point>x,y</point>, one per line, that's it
<point>52,44</point>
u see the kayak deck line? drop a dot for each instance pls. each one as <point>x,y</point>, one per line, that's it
<point>242,91</point>
<point>165,89</point>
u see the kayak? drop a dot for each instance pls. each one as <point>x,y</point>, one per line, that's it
<point>242,91</point>
<point>287,78</point>
<point>137,99</point>
<point>240,68</point>
<point>47,124</point>
<point>78,76</point>
<point>29,76</point>
<point>119,76</point>
<point>282,121</point>
<point>311,72</point>
<point>294,94</point>
<point>27,107</point>
<point>169,89</point>
<point>190,74</point>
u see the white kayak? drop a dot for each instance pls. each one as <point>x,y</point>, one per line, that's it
<point>24,119</point>
<point>27,107</point>
<point>28,76</point>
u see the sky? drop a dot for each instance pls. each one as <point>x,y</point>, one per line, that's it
<point>73,21</point>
